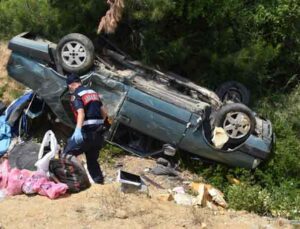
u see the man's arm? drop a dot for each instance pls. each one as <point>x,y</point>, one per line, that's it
<point>80,118</point>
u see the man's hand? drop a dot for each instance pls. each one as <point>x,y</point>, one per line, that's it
<point>77,136</point>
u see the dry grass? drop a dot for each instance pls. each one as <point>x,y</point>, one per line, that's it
<point>9,89</point>
<point>111,201</point>
<point>197,215</point>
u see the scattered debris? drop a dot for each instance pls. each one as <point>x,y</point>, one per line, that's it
<point>161,170</point>
<point>178,190</point>
<point>146,178</point>
<point>208,195</point>
<point>2,196</point>
<point>24,155</point>
<point>130,182</point>
<point>15,182</point>
<point>5,135</point>
<point>164,197</point>
<point>233,180</point>
<point>69,171</point>
<point>219,137</point>
<point>184,199</point>
<point>48,150</point>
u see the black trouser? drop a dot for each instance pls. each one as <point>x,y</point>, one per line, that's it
<point>91,146</point>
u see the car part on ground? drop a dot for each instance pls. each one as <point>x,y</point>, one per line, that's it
<point>237,120</point>
<point>233,91</point>
<point>76,53</point>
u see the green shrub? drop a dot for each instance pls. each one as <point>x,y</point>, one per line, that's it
<point>109,153</point>
<point>250,198</point>
<point>286,200</point>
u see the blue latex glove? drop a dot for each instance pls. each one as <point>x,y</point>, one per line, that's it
<point>77,136</point>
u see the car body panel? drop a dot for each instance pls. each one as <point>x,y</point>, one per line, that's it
<point>154,117</point>
<point>194,141</point>
<point>43,80</point>
<point>30,48</point>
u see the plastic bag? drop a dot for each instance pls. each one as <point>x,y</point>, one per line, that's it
<point>2,194</point>
<point>4,173</point>
<point>68,171</point>
<point>16,179</point>
<point>49,141</point>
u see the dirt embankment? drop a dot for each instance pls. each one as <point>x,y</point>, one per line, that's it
<point>9,89</point>
<point>104,206</point>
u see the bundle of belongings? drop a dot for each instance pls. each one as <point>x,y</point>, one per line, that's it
<point>31,168</point>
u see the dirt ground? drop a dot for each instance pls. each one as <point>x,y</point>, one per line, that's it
<point>105,206</point>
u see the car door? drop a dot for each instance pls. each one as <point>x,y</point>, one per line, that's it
<point>154,117</point>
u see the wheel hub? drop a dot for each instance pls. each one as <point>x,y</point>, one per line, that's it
<point>237,125</point>
<point>73,54</point>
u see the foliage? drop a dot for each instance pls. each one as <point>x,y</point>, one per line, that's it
<point>109,153</point>
<point>250,198</point>
<point>49,18</point>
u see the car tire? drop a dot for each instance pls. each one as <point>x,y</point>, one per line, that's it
<point>237,120</point>
<point>233,91</point>
<point>76,53</point>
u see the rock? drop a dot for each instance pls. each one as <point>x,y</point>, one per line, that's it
<point>233,180</point>
<point>121,214</point>
<point>203,197</point>
<point>178,190</point>
<point>217,196</point>
<point>164,197</point>
<point>184,199</point>
<point>203,226</point>
<point>282,222</point>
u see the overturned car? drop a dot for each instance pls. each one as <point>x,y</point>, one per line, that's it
<point>151,112</point>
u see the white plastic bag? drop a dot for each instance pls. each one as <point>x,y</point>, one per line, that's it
<point>2,195</point>
<point>49,141</point>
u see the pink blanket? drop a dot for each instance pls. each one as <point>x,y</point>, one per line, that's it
<point>16,181</point>
<point>39,183</point>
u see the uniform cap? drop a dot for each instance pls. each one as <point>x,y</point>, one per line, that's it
<point>73,78</point>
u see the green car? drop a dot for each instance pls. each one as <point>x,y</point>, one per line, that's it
<point>151,112</point>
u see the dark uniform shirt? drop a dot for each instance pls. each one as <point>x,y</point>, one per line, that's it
<point>89,100</point>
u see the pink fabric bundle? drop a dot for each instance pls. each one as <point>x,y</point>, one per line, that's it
<point>39,183</point>
<point>16,181</point>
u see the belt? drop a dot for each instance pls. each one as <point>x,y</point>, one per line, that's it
<point>93,122</point>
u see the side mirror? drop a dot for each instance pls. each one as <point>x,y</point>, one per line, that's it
<point>169,150</point>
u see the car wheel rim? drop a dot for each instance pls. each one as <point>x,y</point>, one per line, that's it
<point>237,125</point>
<point>73,54</point>
<point>232,95</point>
